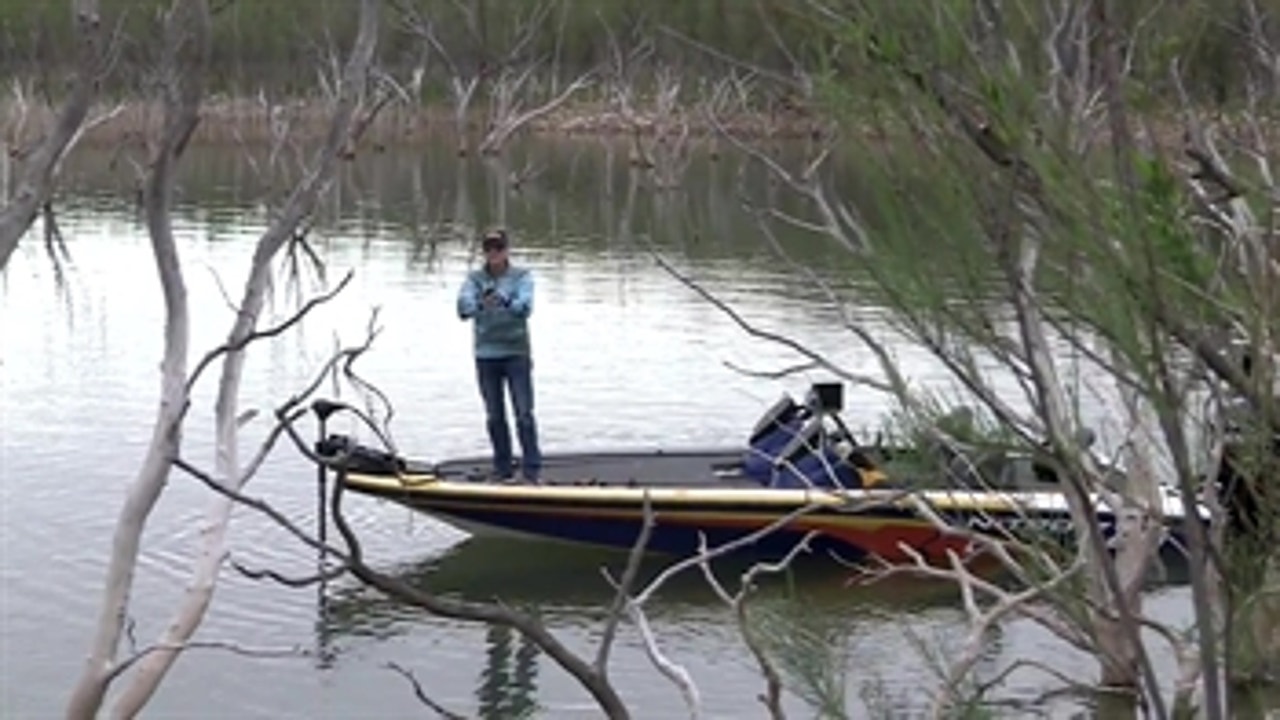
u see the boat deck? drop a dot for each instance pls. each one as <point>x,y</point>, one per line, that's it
<point>713,467</point>
<point>718,468</point>
<point>721,468</point>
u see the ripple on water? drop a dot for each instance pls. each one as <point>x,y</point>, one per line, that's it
<point>625,355</point>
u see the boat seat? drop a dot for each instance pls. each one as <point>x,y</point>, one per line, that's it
<point>784,413</point>
<point>810,459</point>
<point>775,432</point>
<point>792,446</point>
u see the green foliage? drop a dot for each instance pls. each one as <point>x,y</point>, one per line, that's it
<point>809,650</point>
<point>278,37</point>
<point>1116,234</point>
<point>998,168</point>
<point>965,698</point>
<point>259,42</point>
<point>1180,253</point>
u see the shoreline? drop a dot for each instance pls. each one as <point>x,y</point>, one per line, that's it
<point>254,122</point>
<point>239,121</point>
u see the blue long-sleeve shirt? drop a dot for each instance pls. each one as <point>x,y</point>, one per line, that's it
<point>500,330</point>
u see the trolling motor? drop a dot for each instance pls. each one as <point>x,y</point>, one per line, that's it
<point>340,452</point>
<point>323,410</point>
<point>343,454</point>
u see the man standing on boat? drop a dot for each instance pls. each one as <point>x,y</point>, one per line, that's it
<point>498,298</point>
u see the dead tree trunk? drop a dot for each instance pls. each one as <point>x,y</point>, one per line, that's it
<point>463,83</point>
<point>35,179</point>
<point>301,204</point>
<point>186,54</point>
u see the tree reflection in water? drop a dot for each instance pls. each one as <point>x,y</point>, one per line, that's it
<point>506,688</point>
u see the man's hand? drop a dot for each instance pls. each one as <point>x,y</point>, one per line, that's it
<point>491,299</point>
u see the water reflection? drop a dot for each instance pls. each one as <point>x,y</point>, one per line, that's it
<point>566,585</point>
<point>584,197</point>
<point>507,684</point>
<point>810,618</point>
<point>82,379</point>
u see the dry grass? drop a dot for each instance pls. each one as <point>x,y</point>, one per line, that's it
<point>236,121</point>
<point>249,121</point>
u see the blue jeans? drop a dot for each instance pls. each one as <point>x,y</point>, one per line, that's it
<point>516,373</point>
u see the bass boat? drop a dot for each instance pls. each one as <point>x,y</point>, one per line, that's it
<point>801,474</point>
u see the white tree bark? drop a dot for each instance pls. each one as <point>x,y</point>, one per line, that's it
<point>151,669</point>
<point>182,98</point>
<point>35,179</point>
<point>507,116</point>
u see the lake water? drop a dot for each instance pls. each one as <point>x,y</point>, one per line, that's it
<point>624,354</point>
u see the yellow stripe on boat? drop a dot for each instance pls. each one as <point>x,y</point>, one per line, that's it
<point>699,517</point>
<point>428,485</point>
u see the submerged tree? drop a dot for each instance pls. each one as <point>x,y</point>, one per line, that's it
<point>1055,217</point>
<point>38,164</point>
<point>1067,231</point>
<point>184,64</point>
<point>182,71</point>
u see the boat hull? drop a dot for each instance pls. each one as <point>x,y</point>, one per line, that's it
<point>850,525</point>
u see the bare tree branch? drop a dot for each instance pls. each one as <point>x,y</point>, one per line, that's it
<point>730,60</point>
<point>35,181</point>
<point>262,506</point>
<point>778,374</point>
<point>421,693</point>
<point>297,208</point>
<point>674,672</point>
<point>509,117</point>
<point>783,340</point>
<point>319,578</point>
<point>772,697</point>
<point>240,343</point>
<point>628,580</point>
<point>187,35</point>
<point>233,648</point>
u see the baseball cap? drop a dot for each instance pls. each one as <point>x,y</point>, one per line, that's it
<point>495,240</point>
